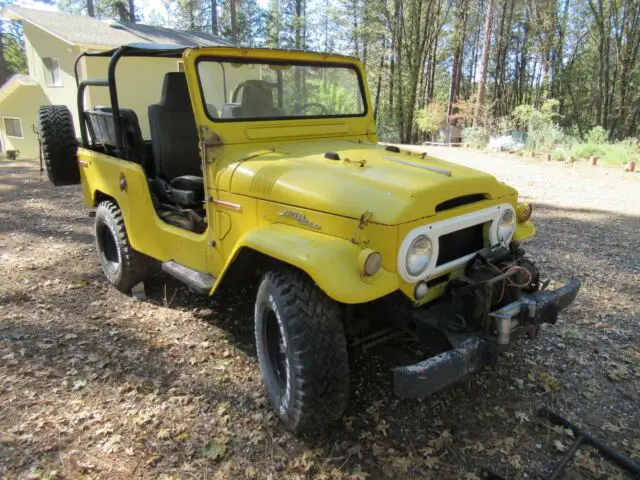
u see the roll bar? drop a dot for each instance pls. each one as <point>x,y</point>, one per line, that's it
<point>132,50</point>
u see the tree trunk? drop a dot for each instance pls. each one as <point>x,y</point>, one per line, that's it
<point>379,83</point>
<point>91,11</point>
<point>482,84</point>
<point>299,41</point>
<point>234,21</point>
<point>122,11</point>
<point>392,60</point>
<point>458,54</point>
<point>432,76</point>
<point>132,11</point>
<point>214,17</point>
<point>356,46</point>
<point>4,70</point>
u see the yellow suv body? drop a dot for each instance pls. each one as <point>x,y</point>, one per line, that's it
<point>291,183</point>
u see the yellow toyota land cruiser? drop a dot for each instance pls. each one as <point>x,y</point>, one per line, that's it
<point>263,166</point>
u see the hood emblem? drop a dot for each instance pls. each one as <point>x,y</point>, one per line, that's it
<point>301,218</point>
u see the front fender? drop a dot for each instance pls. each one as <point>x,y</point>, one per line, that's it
<point>524,230</point>
<point>330,261</point>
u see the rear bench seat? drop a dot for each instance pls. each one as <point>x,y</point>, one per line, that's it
<point>102,131</point>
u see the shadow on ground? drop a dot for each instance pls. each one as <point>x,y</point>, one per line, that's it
<point>96,383</point>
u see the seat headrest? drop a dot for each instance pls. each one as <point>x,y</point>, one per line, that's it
<point>257,99</point>
<point>175,92</point>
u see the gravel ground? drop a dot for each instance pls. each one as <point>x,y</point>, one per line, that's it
<point>94,384</point>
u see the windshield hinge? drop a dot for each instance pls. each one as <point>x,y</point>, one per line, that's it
<point>209,137</point>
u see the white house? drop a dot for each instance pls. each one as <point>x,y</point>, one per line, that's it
<point>53,40</point>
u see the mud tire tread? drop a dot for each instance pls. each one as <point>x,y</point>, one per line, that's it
<point>134,266</point>
<point>317,346</point>
<point>59,145</point>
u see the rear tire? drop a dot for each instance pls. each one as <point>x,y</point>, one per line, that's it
<point>121,264</point>
<point>302,350</point>
<point>58,144</point>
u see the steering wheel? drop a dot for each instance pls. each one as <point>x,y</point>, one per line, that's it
<point>266,85</point>
<point>303,108</point>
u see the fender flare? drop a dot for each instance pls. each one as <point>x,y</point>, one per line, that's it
<point>524,231</point>
<point>331,262</point>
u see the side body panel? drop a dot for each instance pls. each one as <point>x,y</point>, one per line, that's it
<point>103,175</point>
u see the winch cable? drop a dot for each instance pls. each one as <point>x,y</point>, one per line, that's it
<point>509,279</point>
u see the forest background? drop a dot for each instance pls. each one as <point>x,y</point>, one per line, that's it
<point>563,72</point>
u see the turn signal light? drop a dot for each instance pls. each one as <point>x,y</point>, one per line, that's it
<point>420,291</point>
<point>523,212</point>
<point>369,262</point>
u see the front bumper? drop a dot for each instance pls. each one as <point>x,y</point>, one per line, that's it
<point>511,321</point>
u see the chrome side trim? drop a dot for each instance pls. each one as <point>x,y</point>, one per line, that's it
<point>441,171</point>
<point>228,205</point>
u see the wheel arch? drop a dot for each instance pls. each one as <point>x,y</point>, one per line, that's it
<point>331,262</point>
<point>99,197</point>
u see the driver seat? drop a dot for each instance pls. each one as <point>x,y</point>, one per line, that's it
<point>174,135</point>
<point>257,100</point>
<point>174,140</point>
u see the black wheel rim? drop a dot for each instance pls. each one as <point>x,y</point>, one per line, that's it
<point>108,249</point>
<point>275,349</point>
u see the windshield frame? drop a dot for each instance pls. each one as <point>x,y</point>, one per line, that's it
<point>261,61</point>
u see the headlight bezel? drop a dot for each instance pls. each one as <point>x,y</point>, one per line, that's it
<point>509,226</point>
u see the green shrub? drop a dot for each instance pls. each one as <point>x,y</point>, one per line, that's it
<point>585,150</point>
<point>559,155</point>
<point>620,152</point>
<point>543,134</point>
<point>476,137</point>
<point>432,118</point>
<point>613,153</point>
<point>597,135</point>
<point>389,134</point>
<point>545,137</point>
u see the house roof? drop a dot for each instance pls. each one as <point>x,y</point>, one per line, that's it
<point>15,82</point>
<point>89,31</point>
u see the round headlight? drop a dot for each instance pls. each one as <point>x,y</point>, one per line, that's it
<point>506,226</point>
<point>419,255</point>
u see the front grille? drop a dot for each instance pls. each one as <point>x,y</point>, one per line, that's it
<point>460,243</point>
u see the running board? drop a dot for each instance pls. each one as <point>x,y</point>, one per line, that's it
<point>197,281</point>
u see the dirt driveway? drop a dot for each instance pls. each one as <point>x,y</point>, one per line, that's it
<point>94,384</point>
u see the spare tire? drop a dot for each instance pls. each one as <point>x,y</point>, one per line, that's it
<point>58,144</point>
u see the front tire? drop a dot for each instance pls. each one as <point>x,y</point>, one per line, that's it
<point>302,350</point>
<point>121,264</point>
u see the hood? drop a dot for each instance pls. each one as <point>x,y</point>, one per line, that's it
<point>395,187</point>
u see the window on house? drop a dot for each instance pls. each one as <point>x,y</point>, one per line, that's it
<point>13,127</point>
<point>52,72</point>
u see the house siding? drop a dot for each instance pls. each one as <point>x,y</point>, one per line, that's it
<point>138,81</point>
<point>23,103</point>
<point>42,45</point>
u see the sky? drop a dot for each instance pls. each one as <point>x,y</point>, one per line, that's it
<point>148,7</point>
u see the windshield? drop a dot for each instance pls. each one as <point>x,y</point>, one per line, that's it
<point>242,90</point>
